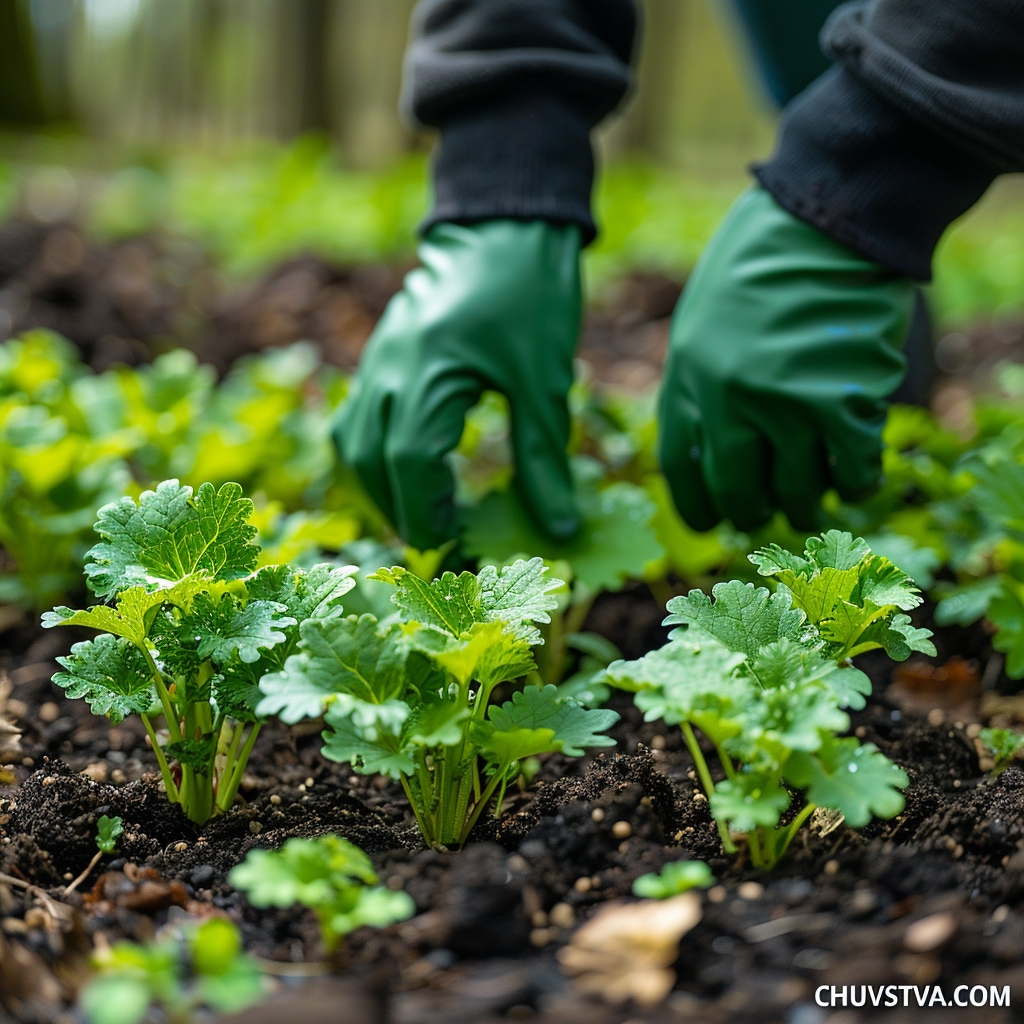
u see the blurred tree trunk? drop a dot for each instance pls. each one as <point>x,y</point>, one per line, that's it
<point>21,94</point>
<point>314,99</point>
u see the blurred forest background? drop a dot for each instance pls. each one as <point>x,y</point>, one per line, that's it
<point>214,73</point>
<point>263,129</point>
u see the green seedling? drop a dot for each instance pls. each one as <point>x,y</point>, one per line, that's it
<point>411,698</point>
<point>190,631</point>
<point>202,968</point>
<point>765,677</point>
<point>1002,745</point>
<point>108,831</point>
<point>674,878</point>
<point>329,875</point>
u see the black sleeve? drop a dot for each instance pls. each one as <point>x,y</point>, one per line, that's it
<point>515,87</point>
<point>922,110</point>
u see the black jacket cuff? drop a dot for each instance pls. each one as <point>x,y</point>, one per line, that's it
<point>869,175</point>
<point>526,156</point>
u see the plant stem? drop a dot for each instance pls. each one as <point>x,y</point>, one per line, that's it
<point>165,769</point>
<point>85,874</point>
<point>165,698</point>
<point>483,801</point>
<point>794,826</point>
<point>705,777</point>
<point>754,846</point>
<point>427,833</point>
<point>226,798</point>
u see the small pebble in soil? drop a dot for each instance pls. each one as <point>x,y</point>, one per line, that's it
<point>309,781</point>
<point>275,799</point>
<point>699,798</point>
<point>539,919</point>
<point>49,780</point>
<point>562,915</point>
<point>540,937</point>
<point>96,771</point>
<point>930,933</point>
<point>255,827</point>
<point>936,716</point>
<point>68,876</point>
<point>622,830</point>
<point>201,876</point>
<point>597,814</point>
<point>27,762</point>
<point>180,847</point>
<point>49,712</point>
<point>582,885</point>
<point>118,777</point>
<point>657,742</point>
<point>750,890</point>
<point>831,867</point>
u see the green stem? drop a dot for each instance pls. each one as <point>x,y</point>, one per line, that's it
<point>730,770</point>
<point>165,768</point>
<point>705,777</point>
<point>161,691</point>
<point>483,801</point>
<point>226,798</point>
<point>793,827</point>
<point>754,846</point>
<point>427,833</point>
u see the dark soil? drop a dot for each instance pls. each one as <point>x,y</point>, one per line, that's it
<point>838,910</point>
<point>129,301</point>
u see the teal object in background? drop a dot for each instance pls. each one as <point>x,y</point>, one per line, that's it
<point>783,38</point>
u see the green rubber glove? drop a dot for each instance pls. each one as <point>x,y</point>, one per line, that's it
<point>494,306</point>
<point>781,353</point>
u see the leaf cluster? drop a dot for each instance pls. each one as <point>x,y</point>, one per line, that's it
<point>676,877</point>
<point>329,875</point>
<point>409,698</point>
<point>190,629</point>
<point>765,676</point>
<point>108,831</point>
<point>1003,745</point>
<point>203,967</point>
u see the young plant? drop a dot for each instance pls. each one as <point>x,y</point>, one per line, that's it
<point>329,875</point>
<point>676,877</point>
<point>108,831</point>
<point>1002,745</point>
<point>411,698</point>
<point>202,967</point>
<point>190,632</point>
<point>765,677</point>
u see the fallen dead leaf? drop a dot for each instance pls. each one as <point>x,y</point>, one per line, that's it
<point>626,950</point>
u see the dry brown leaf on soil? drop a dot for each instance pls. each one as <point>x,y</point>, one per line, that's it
<point>626,950</point>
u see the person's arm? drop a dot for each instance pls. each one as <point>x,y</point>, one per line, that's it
<point>788,337</point>
<point>923,109</point>
<point>515,87</point>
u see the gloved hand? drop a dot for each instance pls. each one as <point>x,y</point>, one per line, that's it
<point>494,306</point>
<point>781,353</point>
